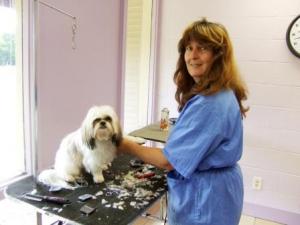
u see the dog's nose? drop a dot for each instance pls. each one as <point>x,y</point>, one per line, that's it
<point>102,123</point>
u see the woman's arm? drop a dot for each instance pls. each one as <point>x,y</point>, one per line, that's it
<point>149,155</point>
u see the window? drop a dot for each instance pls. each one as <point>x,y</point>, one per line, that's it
<point>12,160</point>
<point>137,105</point>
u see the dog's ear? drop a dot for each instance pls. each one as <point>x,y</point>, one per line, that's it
<point>87,139</point>
<point>117,138</point>
<point>87,131</point>
<point>118,135</point>
<point>91,143</point>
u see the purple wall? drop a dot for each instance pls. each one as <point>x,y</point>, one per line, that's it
<point>70,81</point>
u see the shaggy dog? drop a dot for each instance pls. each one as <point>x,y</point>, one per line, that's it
<point>92,147</point>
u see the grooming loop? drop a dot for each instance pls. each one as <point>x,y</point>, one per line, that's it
<point>74,23</point>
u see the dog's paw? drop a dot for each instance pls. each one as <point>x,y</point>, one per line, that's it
<point>105,166</point>
<point>98,178</point>
<point>70,178</point>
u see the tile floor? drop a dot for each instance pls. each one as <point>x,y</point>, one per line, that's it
<point>12,213</point>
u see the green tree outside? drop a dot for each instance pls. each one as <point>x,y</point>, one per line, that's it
<point>7,49</point>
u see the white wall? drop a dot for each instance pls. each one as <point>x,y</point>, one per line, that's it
<point>70,81</point>
<point>272,127</point>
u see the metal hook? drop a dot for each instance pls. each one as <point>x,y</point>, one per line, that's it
<point>74,30</point>
<point>74,25</point>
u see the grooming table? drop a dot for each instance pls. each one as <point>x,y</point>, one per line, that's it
<point>107,203</point>
<point>152,132</point>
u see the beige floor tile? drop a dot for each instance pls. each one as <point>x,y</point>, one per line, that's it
<point>148,221</point>
<point>265,222</point>
<point>154,215</point>
<point>155,209</point>
<point>140,221</point>
<point>154,222</point>
<point>247,220</point>
<point>12,213</point>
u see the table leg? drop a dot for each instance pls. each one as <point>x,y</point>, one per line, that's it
<point>39,218</point>
<point>163,207</point>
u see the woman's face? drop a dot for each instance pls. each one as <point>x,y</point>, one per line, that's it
<point>198,59</point>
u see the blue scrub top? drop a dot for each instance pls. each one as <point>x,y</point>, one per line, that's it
<point>206,185</point>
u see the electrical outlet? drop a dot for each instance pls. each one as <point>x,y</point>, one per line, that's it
<point>257,183</point>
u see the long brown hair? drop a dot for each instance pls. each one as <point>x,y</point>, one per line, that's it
<point>223,73</point>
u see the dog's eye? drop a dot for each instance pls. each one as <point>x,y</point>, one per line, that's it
<point>96,121</point>
<point>108,119</point>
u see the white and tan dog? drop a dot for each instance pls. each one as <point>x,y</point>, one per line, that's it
<point>92,147</point>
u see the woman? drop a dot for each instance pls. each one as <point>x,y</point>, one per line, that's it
<point>205,183</point>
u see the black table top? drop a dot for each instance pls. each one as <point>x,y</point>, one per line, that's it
<point>115,203</point>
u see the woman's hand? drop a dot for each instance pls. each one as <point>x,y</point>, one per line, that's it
<point>149,155</point>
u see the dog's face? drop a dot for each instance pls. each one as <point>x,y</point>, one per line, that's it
<point>101,124</point>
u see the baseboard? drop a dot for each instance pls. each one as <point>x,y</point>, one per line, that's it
<point>268,213</point>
